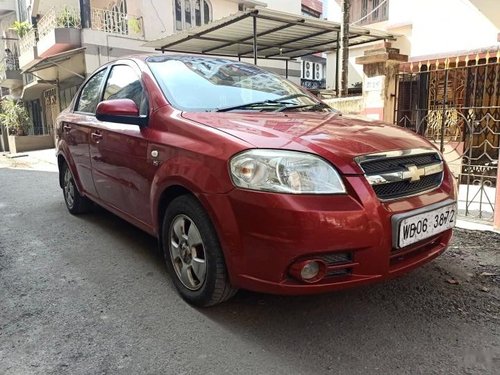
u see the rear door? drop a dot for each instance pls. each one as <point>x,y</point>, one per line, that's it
<point>120,168</point>
<point>78,126</point>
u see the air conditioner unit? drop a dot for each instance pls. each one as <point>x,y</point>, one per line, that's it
<point>318,71</point>
<point>307,70</point>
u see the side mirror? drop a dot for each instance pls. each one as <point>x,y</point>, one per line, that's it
<point>123,111</point>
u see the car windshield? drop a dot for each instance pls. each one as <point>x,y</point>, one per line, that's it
<point>214,84</point>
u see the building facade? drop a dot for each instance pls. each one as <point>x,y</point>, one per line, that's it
<point>427,29</point>
<point>313,67</point>
<point>10,75</point>
<point>68,39</point>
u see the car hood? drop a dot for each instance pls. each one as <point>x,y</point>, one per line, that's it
<point>335,137</point>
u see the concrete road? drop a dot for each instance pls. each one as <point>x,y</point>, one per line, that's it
<point>90,295</point>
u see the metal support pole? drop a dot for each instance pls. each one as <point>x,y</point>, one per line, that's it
<point>346,6</point>
<point>337,59</point>
<point>255,40</point>
<point>286,69</point>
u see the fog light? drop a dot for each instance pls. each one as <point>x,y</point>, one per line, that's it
<point>310,270</point>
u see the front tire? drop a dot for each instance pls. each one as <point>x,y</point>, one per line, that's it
<point>193,254</point>
<point>75,202</point>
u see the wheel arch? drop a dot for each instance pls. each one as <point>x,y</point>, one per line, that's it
<point>169,193</point>
<point>65,158</point>
<point>60,162</point>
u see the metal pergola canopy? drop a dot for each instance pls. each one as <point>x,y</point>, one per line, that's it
<point>265,34</point>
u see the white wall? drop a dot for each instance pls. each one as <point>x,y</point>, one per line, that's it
<point>333,11</point>
<point>5,23</point>
<point>426,28</point>
<point>452,25</point>
<point>159,19</point>
<point>290,6</point>
<point>438,27</point>
<point>355,72</point>
<point>42,6</point>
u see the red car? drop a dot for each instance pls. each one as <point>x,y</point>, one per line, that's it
<point>250,182</point>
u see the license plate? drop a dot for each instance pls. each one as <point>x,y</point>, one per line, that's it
<point>415,228</point>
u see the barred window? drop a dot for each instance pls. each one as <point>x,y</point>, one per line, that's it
<point>191,13</point>
<point>365,12</point>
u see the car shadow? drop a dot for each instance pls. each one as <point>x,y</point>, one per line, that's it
<point>418,318</point>
<point>364,324</point>
<point>135,239</point>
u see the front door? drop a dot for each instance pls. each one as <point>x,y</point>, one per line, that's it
<point>35,111</point>
<point>78,127</point>
<point>121,172</point>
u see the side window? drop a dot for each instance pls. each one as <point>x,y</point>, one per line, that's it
<point>89,98</point>
<point>123,83</point>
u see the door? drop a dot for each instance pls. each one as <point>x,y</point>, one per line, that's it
<point>79,125</point>
<point>121,172</point>
<point>51,109</point>
<point>35,110</point>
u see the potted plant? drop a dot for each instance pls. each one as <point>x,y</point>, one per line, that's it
<point>68,18</point>
<point>21,28</point>
<point>14,117</point>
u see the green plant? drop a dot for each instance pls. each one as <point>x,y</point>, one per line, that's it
<point>14,117</point>
<point>68,18</point>
<point>21,28</point>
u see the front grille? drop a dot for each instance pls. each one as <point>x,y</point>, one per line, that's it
<point>406,188</point>
<point>399,185</point>
<point>339,272</point>
<point>398,164</point>
<point>336,258</point>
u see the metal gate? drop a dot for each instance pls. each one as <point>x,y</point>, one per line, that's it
<point>455,103</point>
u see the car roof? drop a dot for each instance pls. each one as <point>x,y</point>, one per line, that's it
<point>143,57</point>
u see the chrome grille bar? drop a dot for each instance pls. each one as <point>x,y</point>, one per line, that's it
<point>402,173</point>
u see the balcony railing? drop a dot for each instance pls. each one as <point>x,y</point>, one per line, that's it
<point>27,42</point>
<point>53,19</point>
<point>117,22</point>
<point>9,63</point>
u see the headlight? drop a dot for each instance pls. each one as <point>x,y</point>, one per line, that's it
<point>285,172</point>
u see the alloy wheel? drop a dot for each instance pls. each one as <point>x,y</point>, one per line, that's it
<point>69,188</point>
<point>187,252</point>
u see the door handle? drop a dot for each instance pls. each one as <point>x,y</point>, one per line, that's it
<point>96,136</point>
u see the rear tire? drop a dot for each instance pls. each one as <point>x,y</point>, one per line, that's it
<point>75,202</point>
<point>193,254</point>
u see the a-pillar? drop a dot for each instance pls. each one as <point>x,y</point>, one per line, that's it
<point>380,68</point>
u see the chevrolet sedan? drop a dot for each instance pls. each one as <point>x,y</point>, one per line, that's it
<point>248,181</point>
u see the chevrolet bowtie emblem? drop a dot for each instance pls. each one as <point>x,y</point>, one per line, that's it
<point>414,173</point>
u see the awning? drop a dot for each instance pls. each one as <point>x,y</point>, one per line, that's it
<point>35,89</point>
<point>52,69</point>
<point>53,61</point>
<point>276,35</point>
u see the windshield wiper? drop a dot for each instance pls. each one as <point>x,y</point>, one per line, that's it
<point>313,107</point>
<point>271,102</point>
<point>293,96</point>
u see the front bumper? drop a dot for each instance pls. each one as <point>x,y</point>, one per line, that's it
<point>262,234</point>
